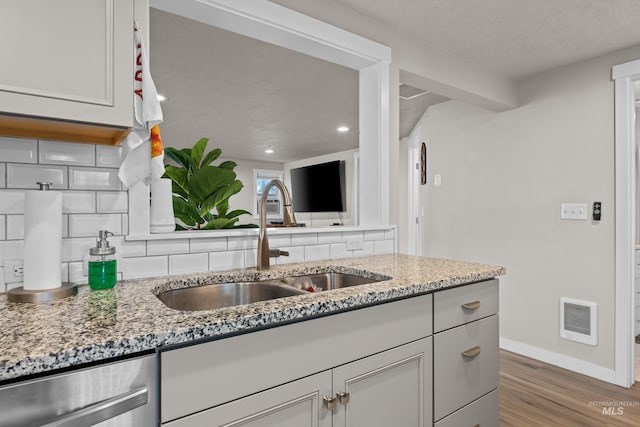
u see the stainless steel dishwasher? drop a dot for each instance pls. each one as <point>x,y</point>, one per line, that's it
<point>122,393</point>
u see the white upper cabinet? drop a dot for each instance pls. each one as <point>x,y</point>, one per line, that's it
<point>68,60</point>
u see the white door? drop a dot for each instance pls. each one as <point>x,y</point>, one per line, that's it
<point>392,388</point>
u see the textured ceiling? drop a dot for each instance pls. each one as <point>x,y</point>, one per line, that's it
<point>246,95</point>
<point>516,38</point>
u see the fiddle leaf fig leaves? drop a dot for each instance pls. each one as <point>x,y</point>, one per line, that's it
<point>201,191</point>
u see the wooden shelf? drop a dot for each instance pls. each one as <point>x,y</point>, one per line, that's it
<point>32,127</point>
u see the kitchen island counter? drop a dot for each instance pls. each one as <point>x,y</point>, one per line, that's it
<point>100,325</point>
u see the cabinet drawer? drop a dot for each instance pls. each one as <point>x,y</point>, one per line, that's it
<point>461,374</point>
<point>454,307</point>
<point>482,412</point>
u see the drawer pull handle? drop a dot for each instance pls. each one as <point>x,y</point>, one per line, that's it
<point>471,305</point>
<point>343,397</point>
<point>329,402</point>
<point>472,352</point>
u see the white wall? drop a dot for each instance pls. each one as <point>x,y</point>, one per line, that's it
<point>504,177</point>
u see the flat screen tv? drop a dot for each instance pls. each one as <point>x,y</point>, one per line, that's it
<point>319,188</point>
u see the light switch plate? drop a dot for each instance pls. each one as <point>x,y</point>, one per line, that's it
<point>575,211</point>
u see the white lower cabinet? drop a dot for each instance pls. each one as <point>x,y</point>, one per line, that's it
<point>377,366</point>
<point>389,388</point>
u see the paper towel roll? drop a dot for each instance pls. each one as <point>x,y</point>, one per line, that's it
<point>42,240</point>
<point>162,219</point>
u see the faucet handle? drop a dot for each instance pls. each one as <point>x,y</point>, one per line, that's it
<point>274,253</point>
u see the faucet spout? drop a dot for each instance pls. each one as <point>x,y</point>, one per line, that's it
<point>289,218</point>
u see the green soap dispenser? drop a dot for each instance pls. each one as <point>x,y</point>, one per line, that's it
<point>102,263</point>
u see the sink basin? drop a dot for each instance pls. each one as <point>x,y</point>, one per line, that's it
<point>326,281</point>
<point>209,297</point>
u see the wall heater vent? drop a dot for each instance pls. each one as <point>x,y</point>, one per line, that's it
<point>579,321</point>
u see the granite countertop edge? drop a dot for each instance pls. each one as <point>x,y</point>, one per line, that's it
<point>129,319</point>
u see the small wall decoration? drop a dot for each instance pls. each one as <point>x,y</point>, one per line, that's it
<point>423,164</point>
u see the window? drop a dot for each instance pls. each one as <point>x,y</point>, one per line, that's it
<point>261,178</point>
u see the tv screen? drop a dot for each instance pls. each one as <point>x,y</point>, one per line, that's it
<point>319,188</point>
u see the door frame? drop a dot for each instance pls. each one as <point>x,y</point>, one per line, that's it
<point>624,76</point>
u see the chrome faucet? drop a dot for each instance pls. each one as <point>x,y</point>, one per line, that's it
<point>289,218</point>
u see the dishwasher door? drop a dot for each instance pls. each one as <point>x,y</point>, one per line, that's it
<point>117,394</point>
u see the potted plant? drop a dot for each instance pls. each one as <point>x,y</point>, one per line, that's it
<point>201,191</point>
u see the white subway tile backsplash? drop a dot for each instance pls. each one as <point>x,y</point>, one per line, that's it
<point>304,239</point>
<point>11,202</point>
<point>128,248</point>
<point>145,267</point>
<point>125,224</point>
<point>108,157</point>
<point>389,234</point>
<point>66,153</point>
<point>374,235</point>
<point>2,227</point>
<point>15,227</point>
<point>93,179</point>
<point>65,272</point>
<point>208,244</point>
<point>18,150</point>
<point>339,250</point>
<point>76,249</point>
<point>166,247</point>
<point>352,235</point>
<point>219,261</point>
<point>317,253</point>
<point>324,238</point>
<point>188,263</point>
<point>383,247</point>
<point>250,258</point>
<point>85,225</point>
<point>278,241</point>
<point>367,249</point>
<point>296,254</point>
<point>3,173</point>
<point>241,242</point>
<point>112,201</point>
<point>76,273</point>
<point>11,249</point>
<point>78,202</point>
<point>27,176</point>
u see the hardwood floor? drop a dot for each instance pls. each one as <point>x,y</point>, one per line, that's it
<point>535,394</point>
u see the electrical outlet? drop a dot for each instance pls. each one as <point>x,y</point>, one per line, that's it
<point>574,211</point>
<point>355,244</point>
<point>13,271</point>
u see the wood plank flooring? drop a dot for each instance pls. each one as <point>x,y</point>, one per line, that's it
<point>535,394</point>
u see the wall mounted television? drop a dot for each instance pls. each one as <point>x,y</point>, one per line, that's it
<point>319,188</point>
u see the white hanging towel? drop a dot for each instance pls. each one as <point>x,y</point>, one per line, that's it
<point>143,151</point>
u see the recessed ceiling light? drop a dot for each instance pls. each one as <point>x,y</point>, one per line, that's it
<point>269,151</point>
<point>343,129</point>
<point>161,98</point>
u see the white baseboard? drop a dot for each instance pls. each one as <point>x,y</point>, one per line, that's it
<point>560,360</point>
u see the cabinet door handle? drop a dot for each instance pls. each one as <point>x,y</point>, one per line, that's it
<point>343,397</point>
<point>329,402</point>
<point>472,352</point>
<point>474,305</point>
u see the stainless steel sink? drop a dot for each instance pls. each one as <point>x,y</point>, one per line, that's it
<point>327,281</point>
<point>209,297</point>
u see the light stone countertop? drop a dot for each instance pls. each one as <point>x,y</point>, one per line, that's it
<point>98,325</point>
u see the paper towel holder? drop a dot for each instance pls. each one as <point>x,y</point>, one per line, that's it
<point>42,295</point>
